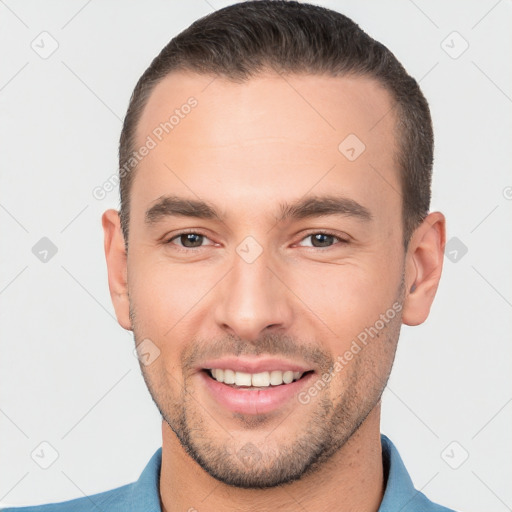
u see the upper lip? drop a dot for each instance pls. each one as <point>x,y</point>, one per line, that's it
<point>259,365</point>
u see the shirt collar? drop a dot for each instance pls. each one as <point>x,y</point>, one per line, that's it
<point>145,492</point>
<point>399,487</point>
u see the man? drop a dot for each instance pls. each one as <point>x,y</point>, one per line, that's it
<point>274,234</point>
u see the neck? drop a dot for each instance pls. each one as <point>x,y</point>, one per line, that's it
<point>352,479</point>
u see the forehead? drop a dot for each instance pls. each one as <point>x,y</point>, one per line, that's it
<point>320,105</point>
<point>266,134</point>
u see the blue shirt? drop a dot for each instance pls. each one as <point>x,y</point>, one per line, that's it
<point>143,495</point>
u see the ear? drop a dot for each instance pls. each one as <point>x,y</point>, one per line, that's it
<point>117,266</point>
<point>424,263</point>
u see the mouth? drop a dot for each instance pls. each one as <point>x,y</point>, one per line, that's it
<point>245,380</point>
<point>254,392</point>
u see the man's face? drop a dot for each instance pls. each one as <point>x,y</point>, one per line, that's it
<point>258,288</point>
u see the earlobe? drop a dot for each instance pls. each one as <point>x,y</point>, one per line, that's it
<point>424,263</point>
<point>116,257</point>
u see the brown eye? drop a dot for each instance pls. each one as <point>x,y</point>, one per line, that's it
<point>191,240</point>
<point>187,241</point>
<point>321,240</point>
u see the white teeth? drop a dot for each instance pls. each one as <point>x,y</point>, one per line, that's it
<point>287,377</point>
<point>276,378</point>
<point>260,380</point>
<point>242,379</point>
<point>229,377</point>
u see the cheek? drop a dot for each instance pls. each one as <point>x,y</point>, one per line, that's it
<point>161,301</point>
<point>164,294</point>
<point>347,297</point>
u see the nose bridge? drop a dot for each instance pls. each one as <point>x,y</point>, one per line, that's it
<point>252,299</point>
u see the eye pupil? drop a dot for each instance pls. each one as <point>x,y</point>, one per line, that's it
<point>191,240</point>
<point>323,239</point>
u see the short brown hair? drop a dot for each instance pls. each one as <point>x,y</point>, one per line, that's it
<point>243,39</point>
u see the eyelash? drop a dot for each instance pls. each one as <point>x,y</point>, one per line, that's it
<point>341,241</point>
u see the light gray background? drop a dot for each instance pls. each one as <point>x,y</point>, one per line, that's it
<point>67,372</point>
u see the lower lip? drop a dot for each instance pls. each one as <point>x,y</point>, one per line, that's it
<point>253,401</point>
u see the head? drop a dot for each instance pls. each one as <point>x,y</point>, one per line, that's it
<point>278,215</point>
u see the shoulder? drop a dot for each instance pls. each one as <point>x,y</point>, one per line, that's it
<point>420,503</point>
<point>140,496</point>
<point>115,499</point>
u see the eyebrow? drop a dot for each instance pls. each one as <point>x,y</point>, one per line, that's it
<point>305,208</point>
<point>172,206</point>
<point>318,206</point>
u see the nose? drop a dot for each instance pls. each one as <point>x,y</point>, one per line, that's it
<point>252,299</point>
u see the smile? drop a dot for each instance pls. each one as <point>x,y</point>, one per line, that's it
<point>255,393</point>
<point>263,379</point>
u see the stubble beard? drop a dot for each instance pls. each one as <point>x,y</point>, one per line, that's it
<point>262,464</point>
